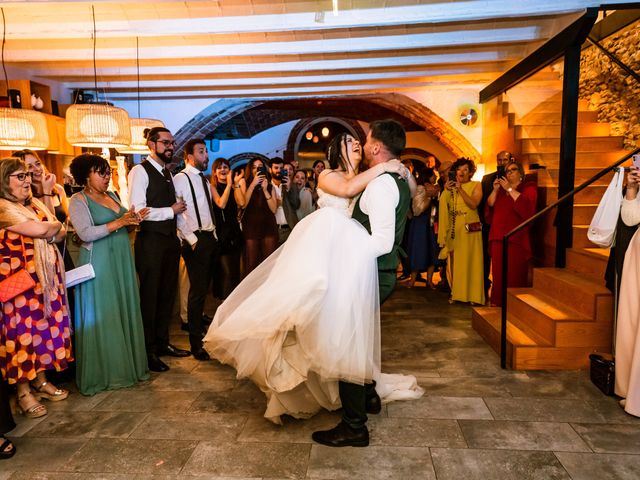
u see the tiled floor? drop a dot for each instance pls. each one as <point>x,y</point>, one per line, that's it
<point>476,421</point>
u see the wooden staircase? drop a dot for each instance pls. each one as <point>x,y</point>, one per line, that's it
<point>567,313</point>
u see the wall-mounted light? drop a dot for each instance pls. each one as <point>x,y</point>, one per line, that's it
<point>316,139</point>
<point>309,135</point>
<point>325,132</point>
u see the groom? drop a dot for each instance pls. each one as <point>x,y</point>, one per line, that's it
<point>382,210</point>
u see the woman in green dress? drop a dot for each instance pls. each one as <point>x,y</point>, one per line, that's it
<point>460,234</point>
<point>110,348</point>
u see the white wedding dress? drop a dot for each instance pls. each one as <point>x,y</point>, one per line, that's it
<point>309,316</point>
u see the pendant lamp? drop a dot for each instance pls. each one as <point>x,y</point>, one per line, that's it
<point>20,128</point>
<point>138,143</point>
<point>94,125</point>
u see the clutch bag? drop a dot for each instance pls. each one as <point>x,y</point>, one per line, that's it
<point>603,372</point>
<point>79,274</point>
<point>15,284</point>
<point>473,226</point>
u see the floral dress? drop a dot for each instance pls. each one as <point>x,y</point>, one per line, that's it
<point>31,342</point>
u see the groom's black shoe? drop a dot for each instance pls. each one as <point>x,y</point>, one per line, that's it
<point>342,435</point>
<point>373,404</point>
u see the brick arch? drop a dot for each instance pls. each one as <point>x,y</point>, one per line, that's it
<point>369,107</point>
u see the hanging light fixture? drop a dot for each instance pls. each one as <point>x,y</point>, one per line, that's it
<point>138,143</point>
<point>95,125</point>
<point>20,128</point>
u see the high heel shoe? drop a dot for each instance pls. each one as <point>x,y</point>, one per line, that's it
<point>57,396</point>
<point>36,410</point>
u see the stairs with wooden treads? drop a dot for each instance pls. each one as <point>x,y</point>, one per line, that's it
<point>557,323</point>
<point>567,313</point>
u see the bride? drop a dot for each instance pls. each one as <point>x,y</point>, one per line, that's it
<point>308,316</point>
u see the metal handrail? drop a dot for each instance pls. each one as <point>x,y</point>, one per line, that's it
<point>505,247</point>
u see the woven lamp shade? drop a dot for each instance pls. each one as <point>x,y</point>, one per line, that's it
<point>23,129</point>
<point>98,126</point>
<point>138,143</point>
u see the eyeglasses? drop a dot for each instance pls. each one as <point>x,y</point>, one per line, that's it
<point>166,143</point>
<point>105,173</point>
<point>22,176</point>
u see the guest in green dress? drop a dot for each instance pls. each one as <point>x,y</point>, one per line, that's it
<point>110,348</point>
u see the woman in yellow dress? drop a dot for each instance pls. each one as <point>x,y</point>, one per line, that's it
<point>460,233</point>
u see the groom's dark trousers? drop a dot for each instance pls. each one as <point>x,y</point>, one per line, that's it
<point>354,396</point>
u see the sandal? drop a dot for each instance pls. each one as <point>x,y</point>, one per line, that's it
<point>57,396</point>
<point>36,410</point>
<point>7,448</point>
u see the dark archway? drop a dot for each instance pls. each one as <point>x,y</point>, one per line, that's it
<point>242,159</point>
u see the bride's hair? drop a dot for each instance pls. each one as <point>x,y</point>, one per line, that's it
<point>334,153</point>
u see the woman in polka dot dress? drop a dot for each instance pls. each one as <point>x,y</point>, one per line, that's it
<point>34,328</point>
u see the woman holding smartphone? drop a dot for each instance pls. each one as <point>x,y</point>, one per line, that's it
<point>258,219</point>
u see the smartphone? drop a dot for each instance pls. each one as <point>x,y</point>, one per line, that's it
<point>452,176</point>
<point>284,174</point>
<point>262,170</point>
<point>636,160</point>
<point>501,172</point>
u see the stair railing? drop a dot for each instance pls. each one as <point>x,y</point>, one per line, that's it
<point>615,59</point>
<point>505,246</point>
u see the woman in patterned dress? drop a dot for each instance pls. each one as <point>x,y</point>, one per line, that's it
<point>34,328</point>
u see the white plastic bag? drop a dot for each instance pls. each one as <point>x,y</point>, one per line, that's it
<point>603,225</point>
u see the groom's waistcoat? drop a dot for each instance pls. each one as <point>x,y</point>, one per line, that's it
<point>390,260</point>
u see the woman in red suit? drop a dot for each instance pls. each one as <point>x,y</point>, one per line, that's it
<point>511,202</point>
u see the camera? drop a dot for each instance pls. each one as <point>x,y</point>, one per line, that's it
<point>501,172</point>
<point>451,176</point>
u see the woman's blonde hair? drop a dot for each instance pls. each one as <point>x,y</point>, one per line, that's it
<point>8,166</point>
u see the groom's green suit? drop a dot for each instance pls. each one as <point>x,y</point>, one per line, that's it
<point>353,396</point>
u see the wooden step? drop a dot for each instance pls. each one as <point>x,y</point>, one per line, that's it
<point>586,144</point>
<point>583,159</point>
<point>583,213</point>
<point>584,294</point>
<point>592,194</point>
<point>553,105</point>
<point>589,262</point>
<point>553,131</point>
<point>535,118</point>
<point>582,175</point>
<point>487,322</point>
<point>580,239</point>
<point>536,314</point>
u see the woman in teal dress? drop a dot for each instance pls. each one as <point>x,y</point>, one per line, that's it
<point>110,348</point>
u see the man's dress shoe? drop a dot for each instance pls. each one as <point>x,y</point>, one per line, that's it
<point>373,404</point>
<point>156,365</point>
<point>200,354</point>
<point>174,351</point>
<point>342,435</point>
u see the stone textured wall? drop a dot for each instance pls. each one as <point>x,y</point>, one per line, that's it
<point>609,89</point>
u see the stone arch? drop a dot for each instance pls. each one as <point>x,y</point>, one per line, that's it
<point>369,107</point>
<point>295,137</point>
<point>243,158</point>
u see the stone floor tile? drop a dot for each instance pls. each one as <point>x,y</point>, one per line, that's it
<point>216,427</point>
<point>598,466</point>
<point>35,453</point>
<point>76,402</point>
<point>370,463</point>
<point>102,476</point>
<point>275,460</point>
<point>146,401</point>
<point>507,435</point>
<point>440,407</point>
<point>7,473</point>
<point>246,398</point>
<point>105,455</point>
<point>87,424</point>
<point>259,429</point>
<point>408,432</point>
<point>544,410</point>
<point>610,438</point>
<point>545,384</point>
<point>180,364</point>
<point>609,409</point>
<point>464,387</point>
<point>23,425</point>
<point>193,382</point>
<point>455,464</point>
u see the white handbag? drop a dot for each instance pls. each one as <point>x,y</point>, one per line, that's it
<point>79,274</point>
<point>603,225</point>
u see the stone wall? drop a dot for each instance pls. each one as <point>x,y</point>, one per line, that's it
<point>609,89</point>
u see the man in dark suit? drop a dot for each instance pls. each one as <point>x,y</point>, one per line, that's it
<point>157,248</point>
<point>502,159</point>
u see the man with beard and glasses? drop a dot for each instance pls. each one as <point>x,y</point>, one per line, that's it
<point>157,248</point>
<point>197,229</point>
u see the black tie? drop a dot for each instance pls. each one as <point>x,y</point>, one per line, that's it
<point>207,193</point>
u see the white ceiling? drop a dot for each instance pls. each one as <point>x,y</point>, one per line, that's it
<point>278,48</point>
